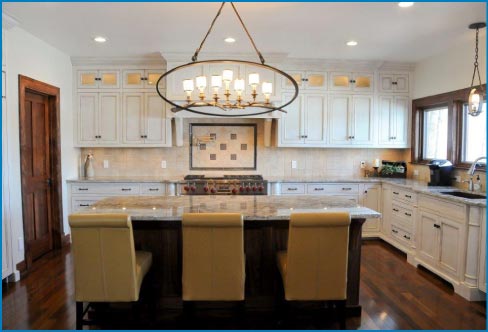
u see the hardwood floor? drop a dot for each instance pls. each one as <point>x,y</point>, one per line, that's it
<point>394,295</point>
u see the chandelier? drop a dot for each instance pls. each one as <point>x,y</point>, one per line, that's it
<point>477,94</point>
<point>219,101</point>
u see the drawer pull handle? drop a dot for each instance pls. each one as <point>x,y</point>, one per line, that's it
<point>318,189</point>
<point>292,189</point>
<point>346,188</point>
<point>84,204</point>
<point>126,189</point>
<point>395,193</point>
<point>396,210</point>
<point>408,214</point>
<point>153,189</point>
<point>394,231</point>
<point>82,189</point>
<point>407,237</point>
<point>408,196</point>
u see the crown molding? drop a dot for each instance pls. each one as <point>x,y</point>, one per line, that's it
<point>8,22</point>
<point>150,59</point>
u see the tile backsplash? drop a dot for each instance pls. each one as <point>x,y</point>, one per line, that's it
<point>271,162</point>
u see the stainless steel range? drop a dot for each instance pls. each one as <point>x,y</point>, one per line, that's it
<point>225,185</point>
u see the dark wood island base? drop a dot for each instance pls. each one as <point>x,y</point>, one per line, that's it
<point>262,240</point>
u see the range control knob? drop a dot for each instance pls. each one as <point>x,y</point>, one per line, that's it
<point>234,191</point>
<point>205,189</point>
<point>260,188</point>
<point>192,188</point>
<point>254,188</point>
<point>213,190</point>
<point>241,189</point>
<point>248,189</point>
<point>186,188</point>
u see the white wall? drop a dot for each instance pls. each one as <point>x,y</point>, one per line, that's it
<point>29,56</point>
<point>451,70</point>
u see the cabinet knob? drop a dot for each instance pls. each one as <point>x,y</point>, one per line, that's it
<point>437,226</point>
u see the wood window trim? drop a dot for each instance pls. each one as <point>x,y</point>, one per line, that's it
<point>454,101</point>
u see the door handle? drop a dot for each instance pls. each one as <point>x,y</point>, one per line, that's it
<point>49,181</point>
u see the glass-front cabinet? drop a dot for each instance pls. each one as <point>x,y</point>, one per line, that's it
<point>141,78</point>
<point>306,80</point>
<point>98,79</point>
<point>347,81</point>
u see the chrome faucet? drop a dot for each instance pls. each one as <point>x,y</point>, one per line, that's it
<point>470,172</point>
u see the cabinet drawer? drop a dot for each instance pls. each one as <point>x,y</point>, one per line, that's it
<point>404,213</point>
<point>106,188</point>
<point>404,195</point>
<point>444,208</point>
<point>314,189</point>
<point>401,235</point>
<point>292,188</point>
<point>156,189</point>
<point>79,203</point>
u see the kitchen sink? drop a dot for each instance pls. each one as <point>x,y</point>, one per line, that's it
<point>463,194</point>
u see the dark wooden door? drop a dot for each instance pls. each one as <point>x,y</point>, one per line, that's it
<point>36,175</point>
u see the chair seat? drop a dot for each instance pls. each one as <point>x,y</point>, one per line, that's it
<point>143,264</point>
<point>281,259</point>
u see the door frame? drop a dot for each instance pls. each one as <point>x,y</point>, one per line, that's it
<point>53,94</point>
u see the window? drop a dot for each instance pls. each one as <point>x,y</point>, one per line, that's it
<point>435,133</point>
<point>473,135</point>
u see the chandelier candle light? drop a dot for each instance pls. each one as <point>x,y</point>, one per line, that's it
<point>221,97</point>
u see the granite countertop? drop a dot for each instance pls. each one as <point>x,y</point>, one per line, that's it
<point>125,179</point>
<point>253,207</point>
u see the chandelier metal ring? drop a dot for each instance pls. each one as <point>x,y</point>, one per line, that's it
<point>269,108</point>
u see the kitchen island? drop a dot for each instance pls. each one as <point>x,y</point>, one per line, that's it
<point>157,228</point>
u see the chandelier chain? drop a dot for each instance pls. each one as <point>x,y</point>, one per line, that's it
<point>476,66</point>
<point>195,56</point>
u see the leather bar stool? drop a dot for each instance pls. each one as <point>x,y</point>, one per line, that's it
<point>213,258</point>
<point>106,266</point>
<point>314,268</point>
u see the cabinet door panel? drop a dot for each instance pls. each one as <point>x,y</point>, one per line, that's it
<point>401,83</point>
<point>450,246</point>
<point>133,127</point>
<point>428,237</point>
<point>155,119</point>
<point>291,122</point>
<point>315,119</point>
<point>109,79</point>
<point>340,81</point>
<point>88,110</point>
<point>152,76</point>
<point>363,82</point>
<point>297,76</point>
<point>372,199</point>
<point>400,124</point>
<point>339,119</point>
<point>108,118</point>
<point>386,82</point>
<point>316,81</point>
<point>385,123</point>
<point>362,109</point>
<point>87,79</point>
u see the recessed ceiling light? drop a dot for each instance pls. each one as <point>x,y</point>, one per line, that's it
<point>405,4</point>
<point>230,40</point>
<point>352,43</point>
<point>100,39</point>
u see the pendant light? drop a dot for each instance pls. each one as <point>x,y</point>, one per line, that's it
<point>226,93</point>
<point>477,93</point>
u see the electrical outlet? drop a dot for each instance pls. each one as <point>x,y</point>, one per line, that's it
<point>106,164</point>
<point>163,163</point>
<point>20,243</point>
<point>415,172</point>
<point>458,178</point>
<point>293,164</point>
<point>363,164</point>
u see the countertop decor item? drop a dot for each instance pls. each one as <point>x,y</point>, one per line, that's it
<point>88,167</point>
<point>477,94</point>
<point>222,102</point>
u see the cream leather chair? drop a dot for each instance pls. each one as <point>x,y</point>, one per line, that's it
<point>107,267</point>
<point>213,260</point>
<point>314,268</point>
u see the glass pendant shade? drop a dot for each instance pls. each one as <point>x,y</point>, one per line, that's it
<point>188,85</point>
<point>267,88</point>
<point>216,81</point>
<point>201,82</point>
<point>254,79</point>
<point>475,102</point>
<point>239,85</point>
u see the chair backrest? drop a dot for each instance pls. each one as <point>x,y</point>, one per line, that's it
<point>104,258</point>
<point>317,256</point>
<point>213,257</point>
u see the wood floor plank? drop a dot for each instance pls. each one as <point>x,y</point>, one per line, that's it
<point>393,294</point>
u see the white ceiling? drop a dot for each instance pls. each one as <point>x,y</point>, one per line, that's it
<point>301,30</point>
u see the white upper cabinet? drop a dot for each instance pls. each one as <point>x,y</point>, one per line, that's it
<point>305,122</point>
<point>98,120</point>
<point>394,83</point>
<point>144,120</point>
<point>98,79</point>
<point>347,81</point>
<point>141,78</point>
<point>306,80</point>
<point>393,113</point>
<point>350,120</point>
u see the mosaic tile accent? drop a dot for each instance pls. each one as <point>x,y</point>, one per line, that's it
<point>231,140</point>
<point>203,146</point>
